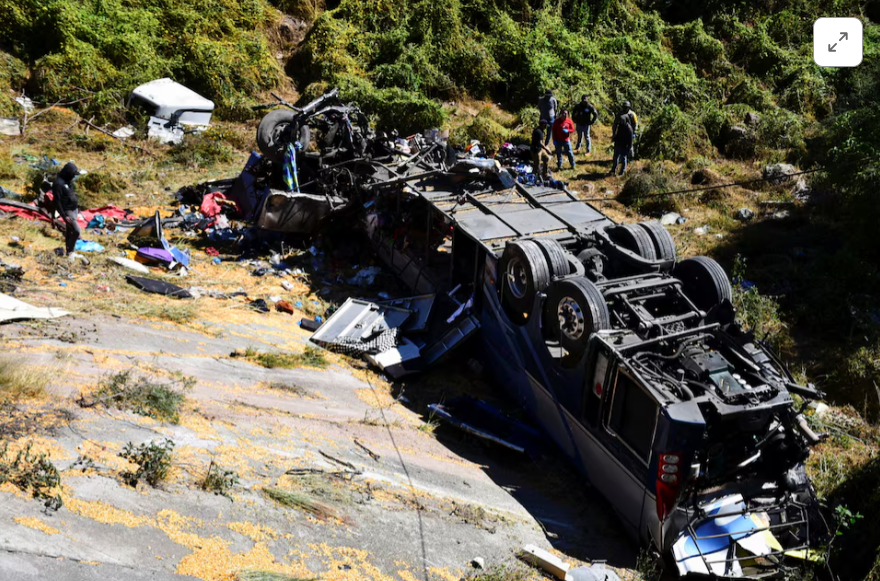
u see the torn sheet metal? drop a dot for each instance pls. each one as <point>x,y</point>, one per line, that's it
<point>480,419</point>
<point>164,132</point>
<point>422,306</point>
<point>15,310</point>
<point>454,337</point>
<point>400,361</point>
<point>361,326</point>
<point>296,213</point>
<point>169,100</point>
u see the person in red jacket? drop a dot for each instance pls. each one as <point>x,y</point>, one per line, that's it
<point>563,129</point>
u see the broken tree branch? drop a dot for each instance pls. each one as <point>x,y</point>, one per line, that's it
<point>338,461</point>
<point>105,132</point>
<point>372,454</point>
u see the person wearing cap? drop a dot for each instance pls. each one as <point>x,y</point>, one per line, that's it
<point>67,204</point>
<point>584,116</point>
<point>547,106</point>
<point>539,149</point>
<point>563,128</point>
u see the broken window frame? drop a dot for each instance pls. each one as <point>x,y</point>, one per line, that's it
<point>612,411</point>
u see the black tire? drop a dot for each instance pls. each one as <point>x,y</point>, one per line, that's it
<point>704,281</point>
<point>273,133</point>
<point>634,238</point>
<point>523,273</point>
<point>575,309</point>
<point>555,256</point>
<point>664,246</point>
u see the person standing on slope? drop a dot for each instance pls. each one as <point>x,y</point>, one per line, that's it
<point>67,204</point>
<point>547,106</point>
<point>540,152</point>
<point>563,128</point>
<point>623,132</point>
<point>584,116</point>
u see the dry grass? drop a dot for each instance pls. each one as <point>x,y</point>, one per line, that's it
<point>301,501</point>
<point>19,380</point>
<point>250,575</point>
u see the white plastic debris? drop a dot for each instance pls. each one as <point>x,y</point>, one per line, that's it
<point>26,104</point>
<point>670,218</point>
<point>546,561</point>
<point>9,126</point>
<point>124,132</point>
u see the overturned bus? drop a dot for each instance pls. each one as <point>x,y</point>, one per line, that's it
<point>630,359</point>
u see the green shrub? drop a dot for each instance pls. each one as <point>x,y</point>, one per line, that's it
<point>94,187</point>
<point>672,134</point>
<point>32,473</point>
<point>641,190</point>
<point>219,481</point>
<point>143,395</point>
<point>781,129</point>
<point>204,149</point>
<point>691,44</point>
<point>310,357</point>
<point>153,461</point>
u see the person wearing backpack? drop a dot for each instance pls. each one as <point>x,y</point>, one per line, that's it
<point>563,128</point>
<point>584,116</point>
<point>623,132</point>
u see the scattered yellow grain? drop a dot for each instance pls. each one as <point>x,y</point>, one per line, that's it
<point>36,524</point>
<point>104,513</point>
<point>256,532</point>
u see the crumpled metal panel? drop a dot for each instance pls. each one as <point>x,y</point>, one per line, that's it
<point>296,213</point>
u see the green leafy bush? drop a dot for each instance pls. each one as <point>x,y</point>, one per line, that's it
<point>143,395</point>
<point>152,459</point>
<point>642,190</point>
<point>691,44</point>
<point>32,473</point>
<point>674,135</point>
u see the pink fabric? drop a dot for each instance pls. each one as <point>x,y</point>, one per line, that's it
<point>84,217</point>
<point>111,211</point>
<point>210,207</point>
<point>22,213</point>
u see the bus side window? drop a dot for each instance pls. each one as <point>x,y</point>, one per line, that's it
<point>594,389</point>
<point>633,416</point>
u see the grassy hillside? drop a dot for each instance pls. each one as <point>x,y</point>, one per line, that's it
<point>693,69</point>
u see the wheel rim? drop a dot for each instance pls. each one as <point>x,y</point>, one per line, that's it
<point>518,278</point>
<point>278,134</point>
<point>571,318</point>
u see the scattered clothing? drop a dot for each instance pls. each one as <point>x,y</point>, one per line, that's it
<point>210,206</point>
<point>85,245</point>
<point>284,307</point>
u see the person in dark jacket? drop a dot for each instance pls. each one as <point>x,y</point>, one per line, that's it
<point>547,106</point>
<point>623,132</point>
<point>67,204</point>
<point>584,116</point>
<point>539,149</point>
